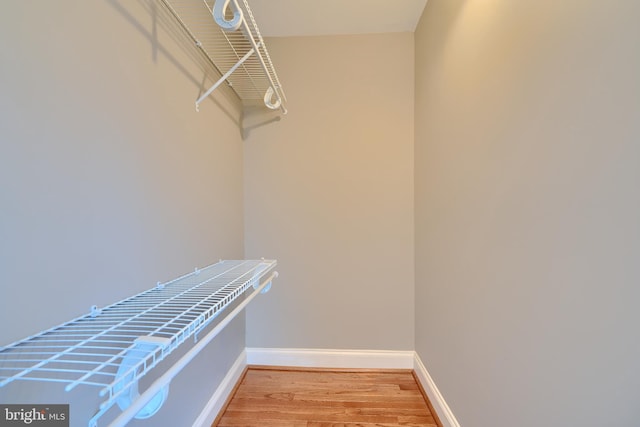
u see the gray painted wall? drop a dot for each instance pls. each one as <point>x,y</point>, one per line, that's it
<point>329,193</point>
<point>526,116</point>
<point>110,180</point>
<point>527,204</point>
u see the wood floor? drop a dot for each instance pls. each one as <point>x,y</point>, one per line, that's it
<point>268,397</point>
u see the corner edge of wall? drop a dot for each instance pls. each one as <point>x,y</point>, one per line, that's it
<point>435,397</point>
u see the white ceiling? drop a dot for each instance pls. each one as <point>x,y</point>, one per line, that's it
<point>280,18</point>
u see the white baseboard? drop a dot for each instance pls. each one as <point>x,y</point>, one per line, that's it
<point>220,396</point>
<point>320,358</point>
<point>437,401</point>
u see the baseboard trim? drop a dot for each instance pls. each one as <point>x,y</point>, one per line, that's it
<point>222,393</point>
<point>321,358</point>
<point>446,417</point>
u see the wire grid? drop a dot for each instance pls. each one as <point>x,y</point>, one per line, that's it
<point>225,49</point>
<point>89,350</point>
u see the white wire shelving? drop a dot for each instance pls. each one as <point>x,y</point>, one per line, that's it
<point>227,33</point>
<point>113,347</point>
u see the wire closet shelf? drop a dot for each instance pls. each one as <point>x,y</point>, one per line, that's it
<point>113,347</point>
<point>234,46</point>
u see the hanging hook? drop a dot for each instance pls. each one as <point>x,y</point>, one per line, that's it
<point>219,11</point>
<point>268,99</point>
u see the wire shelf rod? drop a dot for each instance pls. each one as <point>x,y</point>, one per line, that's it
<point>252,78</point>
<point>91,350</point>
<point>180,339</point>
<point>161,382</point>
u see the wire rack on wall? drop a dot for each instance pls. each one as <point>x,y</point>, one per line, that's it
<point>113,347</point>
<point>227,34</point>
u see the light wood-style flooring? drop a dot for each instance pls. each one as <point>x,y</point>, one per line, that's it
<point>270,397</point>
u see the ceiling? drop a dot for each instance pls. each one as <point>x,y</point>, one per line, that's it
<point>281,18</point>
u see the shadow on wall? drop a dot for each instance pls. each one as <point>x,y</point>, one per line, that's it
<point>161,17</point>
<point>256,116</point>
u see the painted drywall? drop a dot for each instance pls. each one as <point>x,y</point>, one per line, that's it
<point>527,125</point>
<point>110,179</point>
<point>329,194</point>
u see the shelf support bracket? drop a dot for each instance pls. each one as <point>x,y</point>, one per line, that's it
<point>164,379</point>
<point>223,78</point>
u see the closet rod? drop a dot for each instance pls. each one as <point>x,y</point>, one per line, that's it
<point>114,347</point>
<point>218,14</point>
<point>166,378</point>
<point>256,46</point>
<point>251,78</point>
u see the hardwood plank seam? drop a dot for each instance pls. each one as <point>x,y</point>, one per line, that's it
<point>368,384</point>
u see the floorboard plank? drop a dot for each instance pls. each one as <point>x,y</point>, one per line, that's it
<point>324,398</point>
